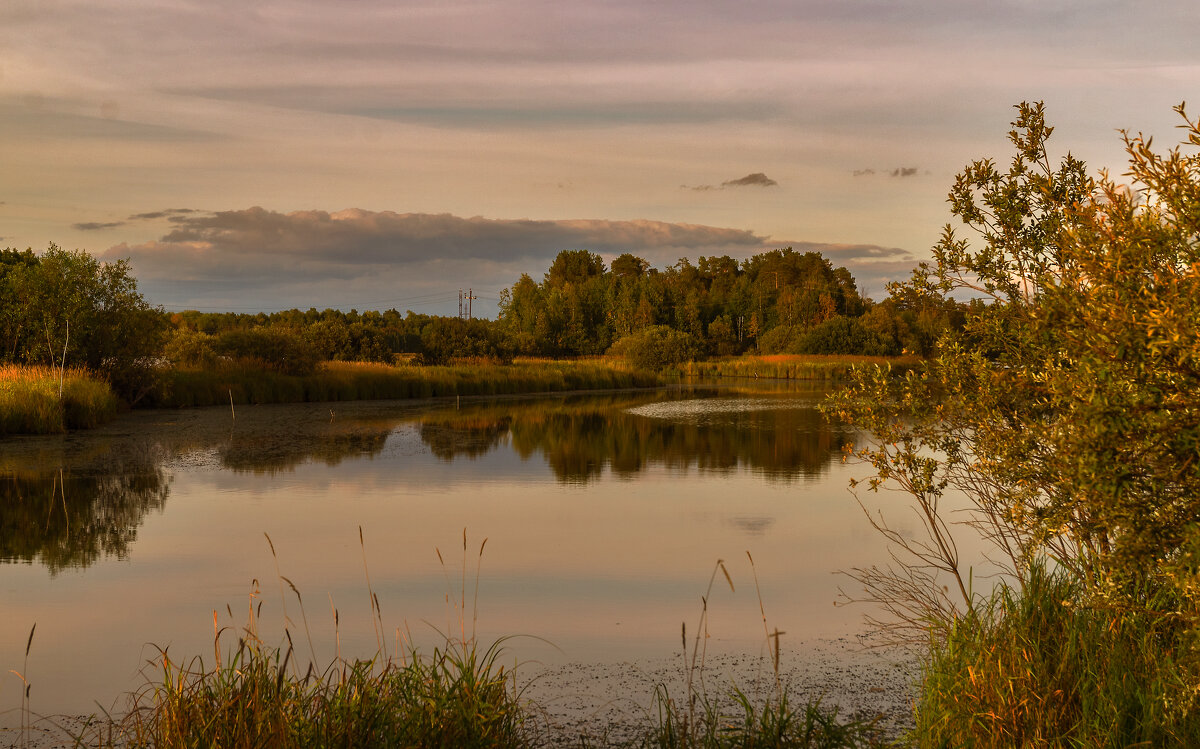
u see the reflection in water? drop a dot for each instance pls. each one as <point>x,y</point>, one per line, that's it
<point>781,438</point>
<point>268,454</point>
<point>75,520</point>
<point>110,479</point>
<point>605,514</point>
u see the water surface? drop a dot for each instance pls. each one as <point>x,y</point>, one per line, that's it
<point>604,517</point>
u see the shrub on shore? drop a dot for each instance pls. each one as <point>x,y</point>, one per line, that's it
<point>30,402</point>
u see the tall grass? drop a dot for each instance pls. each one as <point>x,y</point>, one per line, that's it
<point>30,402</point>
<point>1042,668</point>
<point>345,381</point>
<point>262,696</point>
<point>792,366</point>
<point>734,718</point>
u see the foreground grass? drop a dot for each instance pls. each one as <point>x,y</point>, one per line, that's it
<point>344,381</point>
<point>1039,668</point>
<point>30,402</point>
<point>457,697</point>
<point>792,366</point>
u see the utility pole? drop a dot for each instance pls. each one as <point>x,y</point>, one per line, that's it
<point>470,298</point>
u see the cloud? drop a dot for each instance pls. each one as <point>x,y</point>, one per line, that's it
<point>259,249</point>
<point>171,213</point>
<point>757,179</point>
<point>863,172</point>
<point>97,226</point>
<point>262,259</point>
<point>904,171</point>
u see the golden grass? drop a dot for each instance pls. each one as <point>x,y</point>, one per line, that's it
<point>345,381</point>
<point>30,401</point>
<point>793,366</point>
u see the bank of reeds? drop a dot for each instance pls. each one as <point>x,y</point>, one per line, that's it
<point>792,366</point>
<point>30,402</point>
<point>347,381</point>
<point>1041,667</point>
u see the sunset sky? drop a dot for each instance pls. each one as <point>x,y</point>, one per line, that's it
<point>370,154</point>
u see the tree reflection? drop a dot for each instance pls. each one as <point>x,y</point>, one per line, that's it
<point>272,453</point>
<point>75,520</point>
<point>69,501</point>
<point>580,437</point>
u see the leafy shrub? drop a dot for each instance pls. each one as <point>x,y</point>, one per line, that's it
<point>277,348</point>
<point>657,347</point>
<point>191,348</point>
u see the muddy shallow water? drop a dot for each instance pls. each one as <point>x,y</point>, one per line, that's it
<point>604,517</point>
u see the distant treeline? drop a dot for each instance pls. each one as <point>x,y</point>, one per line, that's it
<point>776,302</point>
<point>65,308</point>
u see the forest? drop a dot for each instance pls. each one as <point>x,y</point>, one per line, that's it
<point>63,308</point>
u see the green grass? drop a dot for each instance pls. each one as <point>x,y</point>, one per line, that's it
<point>773,722</point>
<point>1042,668</point>
<point>30,402</point>
<point>346,381</point>
<point>791,366</point>
<point>456,697</point>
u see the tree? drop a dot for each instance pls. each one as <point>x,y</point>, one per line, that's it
<point>74,310</point>
<point>1067,410</point>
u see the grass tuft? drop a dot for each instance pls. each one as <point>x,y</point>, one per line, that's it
<point>30,402</point>
<point>1041,667</point>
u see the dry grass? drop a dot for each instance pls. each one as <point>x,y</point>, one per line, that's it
<point>30,401</point>
<point>793,366</point>
<point>346,381</point>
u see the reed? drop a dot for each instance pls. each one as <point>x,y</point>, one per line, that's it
<point>348,381</point>
<point>30,402</point>
<point>1041,667</point>
<point>261,696</point>
<point>793,366</point>
<point>734,718</point>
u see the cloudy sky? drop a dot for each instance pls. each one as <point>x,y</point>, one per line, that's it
<point>249,155</point>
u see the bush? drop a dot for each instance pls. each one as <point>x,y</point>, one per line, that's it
<point>191,348</point>
<point>279,349</point>
<point>843,335</point>
<point>657,347</point>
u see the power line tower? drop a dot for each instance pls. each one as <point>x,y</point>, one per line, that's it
<point>460,309</point>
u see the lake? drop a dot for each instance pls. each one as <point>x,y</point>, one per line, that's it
<point>604,517</point>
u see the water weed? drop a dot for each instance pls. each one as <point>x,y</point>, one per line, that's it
<point>700,719</point>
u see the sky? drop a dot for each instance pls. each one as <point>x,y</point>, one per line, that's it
<point>254,156</point>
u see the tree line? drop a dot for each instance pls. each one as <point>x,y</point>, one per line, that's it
<point>65,308</point>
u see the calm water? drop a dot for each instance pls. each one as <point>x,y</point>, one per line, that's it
<point>604,516</point>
